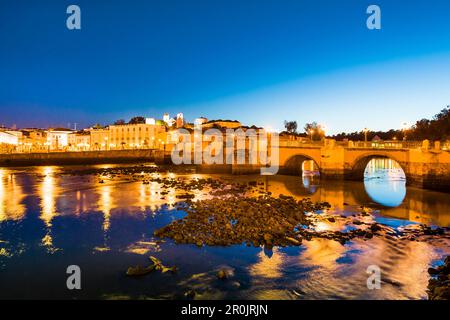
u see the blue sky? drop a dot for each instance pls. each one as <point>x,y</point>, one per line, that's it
<point>259,61</point>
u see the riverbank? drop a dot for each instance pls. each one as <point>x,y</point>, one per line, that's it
<point>438,181</point>
<point>83,157</point>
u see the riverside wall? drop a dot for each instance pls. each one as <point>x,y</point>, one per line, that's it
<point>83,157</point>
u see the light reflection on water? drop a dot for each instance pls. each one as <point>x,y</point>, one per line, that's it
<point>385,182</point>
<point>49,221</point>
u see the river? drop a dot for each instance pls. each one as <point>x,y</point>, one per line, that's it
<point>50,219</point>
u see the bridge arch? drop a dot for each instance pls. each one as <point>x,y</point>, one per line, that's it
<point>294,164</point>
<point>358,166</point>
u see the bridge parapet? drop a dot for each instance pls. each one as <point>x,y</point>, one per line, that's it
<point>424,166</point>
<point>386,144</point>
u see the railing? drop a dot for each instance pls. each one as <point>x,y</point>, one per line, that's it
<point>367,145</point>
<point>385,144</point>
<point>16,149</point>
<point>300,143</point>
<point>445,146</point>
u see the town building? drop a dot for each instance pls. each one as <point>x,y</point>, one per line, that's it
<point>150,121</point>
<point>168,120</point>
<point>58,139</point>
<point>8,141</point>
<point>80,141</point>
<point>10,137</point>
<point>99,138</point>
<point>198,123</point>
<point>135,136</point>
<point>180,120</point>
<point>34,140</point>
<point>222,124</point>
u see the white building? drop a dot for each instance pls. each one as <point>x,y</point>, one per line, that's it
<point>8,137</point>
<point>58,138</point>
<point>150,121</point>
<point>168,120</point>
<point>199,122</point>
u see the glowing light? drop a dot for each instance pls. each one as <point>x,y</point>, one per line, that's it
<point>105,205</point>
<point>268,267</point>
<point>11,196</point>
<point>47,194</point>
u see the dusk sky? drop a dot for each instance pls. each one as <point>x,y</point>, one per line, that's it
<point>258,61</point>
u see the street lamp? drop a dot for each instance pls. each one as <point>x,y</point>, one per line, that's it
<point>323,128</point>
<point>365,136</point>
<point>404,128</point>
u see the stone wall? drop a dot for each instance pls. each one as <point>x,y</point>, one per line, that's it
<point>423,167</point>
<point>84,157</point>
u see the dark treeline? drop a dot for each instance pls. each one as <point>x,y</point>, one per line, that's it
<point>359,136</point>
<point>435,129</point>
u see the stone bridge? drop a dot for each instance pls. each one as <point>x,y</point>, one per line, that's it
<point>423,166</point>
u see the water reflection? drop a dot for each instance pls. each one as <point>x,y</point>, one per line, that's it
<point>310,176</point>
<point>108,226</point>
<point>48,192</point>
<point>385,182</point>
<point>105,206</point>
<point>268,266</point>
<point>11,197</point>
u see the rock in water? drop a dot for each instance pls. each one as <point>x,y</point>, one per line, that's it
<point>139,271</point>
<point>294,241</point>
<point>222,274</point>
<point>190,294</point>
<point>439,285</point>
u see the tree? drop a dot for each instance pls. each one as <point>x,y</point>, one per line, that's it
<point>437,128</point>
<point>291,126</point>
<point>97,126</point>
<point>314,131</point>
<point>136,120</point>
<point>119,122</point>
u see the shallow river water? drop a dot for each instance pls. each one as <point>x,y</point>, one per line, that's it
<point>50,220</point>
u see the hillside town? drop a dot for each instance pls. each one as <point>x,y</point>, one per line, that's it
<point>138,133</point>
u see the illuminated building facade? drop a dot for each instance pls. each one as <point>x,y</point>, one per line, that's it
<point>80,141</point>
<point>58,139</point>
<point>135,136</point>
<point>99,139</point>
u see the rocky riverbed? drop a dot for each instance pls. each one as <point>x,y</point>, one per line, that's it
<point>439,284</point>
<point>269,221</point>
<point>245,213</point>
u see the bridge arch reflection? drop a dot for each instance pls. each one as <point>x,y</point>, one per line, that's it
<point>300,164</point>
<point>385,182</point>
<point>360,165</point>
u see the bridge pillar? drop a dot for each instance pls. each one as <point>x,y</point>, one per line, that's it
<point>332,161</point>
<point>429,169</point>
<point>437,145</point>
